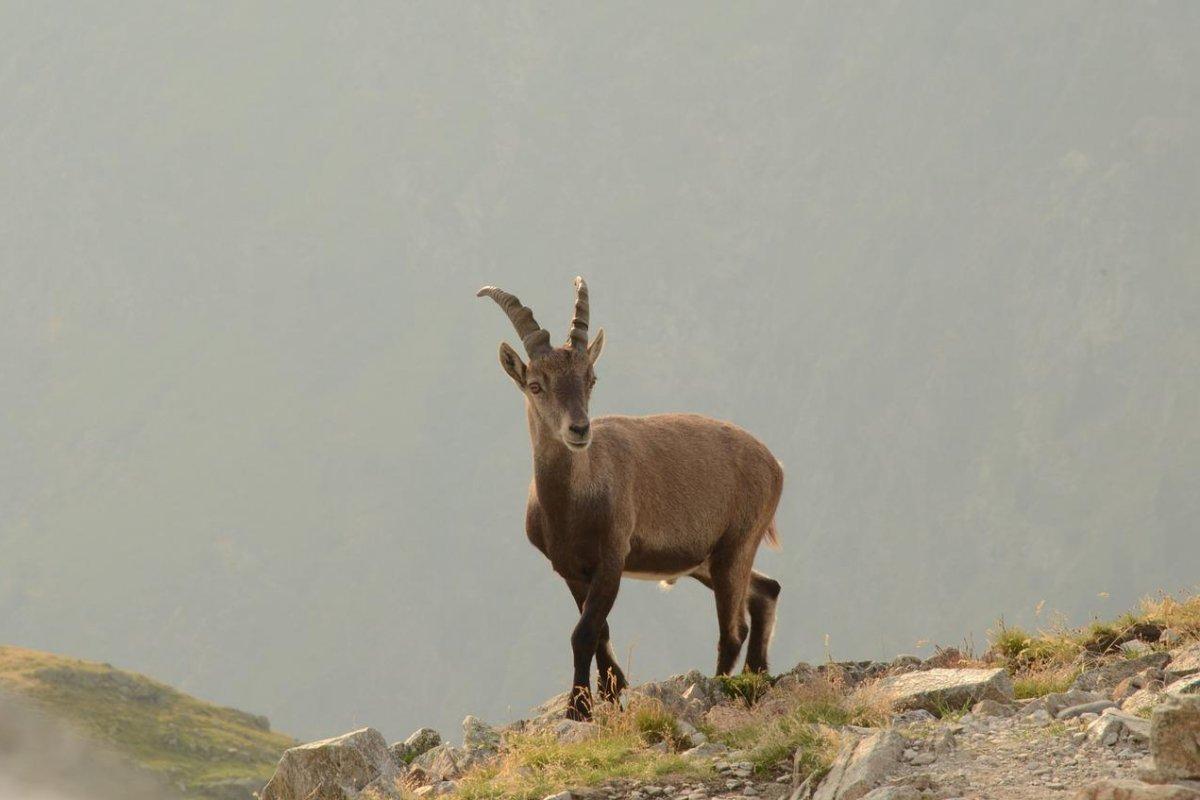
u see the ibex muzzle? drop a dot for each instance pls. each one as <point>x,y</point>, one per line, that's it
<point>658,497</point>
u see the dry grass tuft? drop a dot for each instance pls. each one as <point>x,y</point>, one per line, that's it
<point>1179,614</point>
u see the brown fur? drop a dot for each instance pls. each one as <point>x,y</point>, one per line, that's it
<point>665,495</point>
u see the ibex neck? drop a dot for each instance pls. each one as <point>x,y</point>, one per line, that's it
<point>554,464</point>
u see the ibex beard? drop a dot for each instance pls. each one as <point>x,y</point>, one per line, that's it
<point>657,497</point>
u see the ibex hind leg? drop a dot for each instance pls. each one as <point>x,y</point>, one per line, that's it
<point>764,592</point>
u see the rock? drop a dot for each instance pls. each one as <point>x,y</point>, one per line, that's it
<point>568,730</point>
<point>1184,687</point>
<point>1141,700</point>
<point>947,657</point>
<point>1186,659</point>
<point>895,793</point>
<point>862,764</point>
<point>1113,726</point>
<point>335,769</point>
<point>1070,712</point>
<point>905,663</point>
<point>1057,701</point>
<point>852,673</point>
<point>939,689</point>
<point>686,696</point>
<point>478,735</point>
<point>913,717</point>
<point>418,742</point>
<point>559,796</point>
<point>436,789</point>
<point>690,736</point>
<point>1135,790</point>
<point>1135,647</point>
<point>706,750</point>
<point>1110,674</point>
<point>1175,737</point>
<point>446,762</point>
<point>992,708</point>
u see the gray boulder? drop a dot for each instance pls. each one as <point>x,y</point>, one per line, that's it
<point>447,762</point>
<point>419,741</point>
<point>1175,737</point>
<point>341,768</point>
<point>688,696</point>
<point>936,690</point>
<point>1113,726</point>
<point>862,764</point>
<point>478,735</point>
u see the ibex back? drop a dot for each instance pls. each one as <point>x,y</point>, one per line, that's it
<point>658,497</point>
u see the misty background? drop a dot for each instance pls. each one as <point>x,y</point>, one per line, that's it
<point>943,258</point>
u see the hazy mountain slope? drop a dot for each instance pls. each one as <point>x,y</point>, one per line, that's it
<point>194,745</point>
<point>942,258</point>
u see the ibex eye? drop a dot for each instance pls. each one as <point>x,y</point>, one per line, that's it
<point>535,387</point>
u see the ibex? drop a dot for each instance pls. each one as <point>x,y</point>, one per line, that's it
<point>657,498</point>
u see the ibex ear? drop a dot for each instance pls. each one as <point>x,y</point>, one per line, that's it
<point>596,347</point>
<point>512,364</point>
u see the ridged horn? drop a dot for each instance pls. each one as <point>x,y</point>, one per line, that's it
<point>579,325</point>
<point>535,338</point>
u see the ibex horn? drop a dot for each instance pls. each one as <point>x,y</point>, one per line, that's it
<point>535,338</point>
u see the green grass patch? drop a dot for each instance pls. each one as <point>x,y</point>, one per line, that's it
<point>184,739</point>
<point>535,766</point>
<point>1027,685</point>
<point>748,686</point>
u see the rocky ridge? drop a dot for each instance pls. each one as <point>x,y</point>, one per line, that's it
<point>1128,728</point>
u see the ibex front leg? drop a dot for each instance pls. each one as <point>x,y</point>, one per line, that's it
<point>611,680</point>
<point>600,595</point>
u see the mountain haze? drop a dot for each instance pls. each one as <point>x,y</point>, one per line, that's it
<point>943,258</point>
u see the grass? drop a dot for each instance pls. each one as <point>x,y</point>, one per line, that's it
<point>748,686</point>
<point>1049,660</point>
<point>1040,682</point>
<point>533,766</point>
<point>184,739</point>
<point>801,718</point>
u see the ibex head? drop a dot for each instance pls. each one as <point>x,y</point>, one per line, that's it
<point>557,382</point>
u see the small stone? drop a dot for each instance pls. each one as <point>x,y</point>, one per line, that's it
<point>992,708</point>
<point>565,795</point>
<point>706,750</point>
<point>1085,708</point>
<point>913,717</point>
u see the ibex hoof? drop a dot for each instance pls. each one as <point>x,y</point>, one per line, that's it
<point>580,707</point>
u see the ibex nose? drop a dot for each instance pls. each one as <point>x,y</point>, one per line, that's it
<point>580,430</point>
